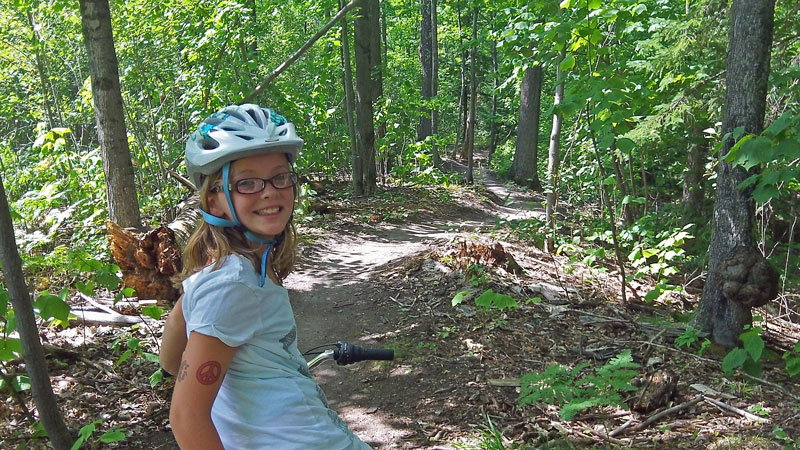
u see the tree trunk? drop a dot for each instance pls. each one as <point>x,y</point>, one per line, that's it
<point>719,312</point>
<point>524,169</point>
<point>123,204</point>
<point>462,94</point>
<point>347,81</point>
<point>367,31</point>
<point>493,120</point>
<point>627,210</point>
<point>40,58</point>
<point>424,129</point>
<point>553,157</point>
<point>469,132</point>
<point>32,352</point>
<point>692,201</point>
<point>437,160</point>
<point>376,73</point>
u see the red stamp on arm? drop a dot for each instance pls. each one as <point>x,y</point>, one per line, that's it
<point>209,373</point>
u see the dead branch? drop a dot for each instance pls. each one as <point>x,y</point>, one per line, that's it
<point>772,385</point>
<point>736,410</point>
<point>302,50</point>
<point>655,417</point>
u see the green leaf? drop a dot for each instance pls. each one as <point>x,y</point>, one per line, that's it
<point>10,349</point>
<point>572,408</point>
<point>156,378</point>
<point>51,306</point>
<point>110,436</point>
<point>735,358</point>
<point>753,344</point>
<point>793,365</point>
<point>595,4</point>
<point>459,298</point>
<point>153,311</point>
<point>568,63</point>
<point>485,299</point>
<point>4,299</point>
<point>85,288</point>
<point>752,368</point>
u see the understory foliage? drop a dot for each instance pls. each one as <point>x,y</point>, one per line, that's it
<point>576,389</point>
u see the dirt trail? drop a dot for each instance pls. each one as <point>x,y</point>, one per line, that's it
<point>337,294</point>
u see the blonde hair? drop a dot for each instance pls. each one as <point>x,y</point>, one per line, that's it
<point>210,244</point>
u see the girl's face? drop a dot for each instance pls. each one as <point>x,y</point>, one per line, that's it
<point>264,213</point>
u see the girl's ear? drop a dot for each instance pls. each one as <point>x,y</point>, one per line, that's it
<point>216,205</point>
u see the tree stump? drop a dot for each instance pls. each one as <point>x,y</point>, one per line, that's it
<point>148,260</point>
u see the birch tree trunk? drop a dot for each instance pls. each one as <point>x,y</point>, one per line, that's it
<point>123,204</point>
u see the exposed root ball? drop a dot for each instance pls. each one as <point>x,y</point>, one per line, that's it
<point>747,278</point>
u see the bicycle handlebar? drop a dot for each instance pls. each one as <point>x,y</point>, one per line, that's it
<point>348,354</point>
<point>345,353</point>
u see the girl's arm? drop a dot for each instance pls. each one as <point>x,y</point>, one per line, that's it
<point>197,381</point>
<point>173,340</point>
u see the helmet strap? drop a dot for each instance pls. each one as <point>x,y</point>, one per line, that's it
<point>226,171</point>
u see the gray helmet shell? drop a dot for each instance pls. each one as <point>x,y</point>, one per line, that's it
<point>236,132</point>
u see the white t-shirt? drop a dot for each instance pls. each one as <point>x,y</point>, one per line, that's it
<point>267,399</point>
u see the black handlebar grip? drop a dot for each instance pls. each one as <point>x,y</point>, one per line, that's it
<point>349,354</point>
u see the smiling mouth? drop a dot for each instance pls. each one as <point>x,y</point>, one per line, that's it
<point>268,211</point>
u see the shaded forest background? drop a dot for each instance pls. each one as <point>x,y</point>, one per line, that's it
<point>612,108</point>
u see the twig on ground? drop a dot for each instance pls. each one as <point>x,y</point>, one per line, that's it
<point>772,385</point>
<point>736,410</point>
<point>697,399</point>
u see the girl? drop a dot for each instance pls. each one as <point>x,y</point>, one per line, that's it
<point>241,382</point>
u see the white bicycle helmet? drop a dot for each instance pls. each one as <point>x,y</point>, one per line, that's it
<point>236,132</point>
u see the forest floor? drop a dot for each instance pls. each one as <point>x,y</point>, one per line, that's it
<point>382,272</point>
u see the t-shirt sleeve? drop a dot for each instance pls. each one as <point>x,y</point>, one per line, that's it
<point>228,310</point>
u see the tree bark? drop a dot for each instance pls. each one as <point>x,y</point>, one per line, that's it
<point>368,86</point>
<point>40,58</point>
<point>462,94</point>
<point>732,228</point>
<point>424,129</point>
<point>553,157</point>
<point>437,160</point>
<point>469,132</point>
<point>123,204</point>
<point>524,169</point>
<point>32,352</point>
<point>347,81</point>
<point>693,178</point>
<point>493,120</point>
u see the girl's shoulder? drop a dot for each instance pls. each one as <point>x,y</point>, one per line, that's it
<point>233,269</point>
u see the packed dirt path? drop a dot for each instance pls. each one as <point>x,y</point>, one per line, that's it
<point>338,294</point>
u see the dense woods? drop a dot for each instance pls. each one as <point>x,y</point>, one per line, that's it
<point>664,135</point>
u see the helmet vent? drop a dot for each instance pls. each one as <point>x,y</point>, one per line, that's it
<point>282,133</point>
<point>245,137</point>
<point>208,144</point>
<point>255,118</point>
<point>229,128</point>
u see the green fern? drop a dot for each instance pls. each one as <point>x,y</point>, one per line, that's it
<point>559,385</point>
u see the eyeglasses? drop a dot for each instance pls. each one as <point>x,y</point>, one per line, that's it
<point>256,185</point>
